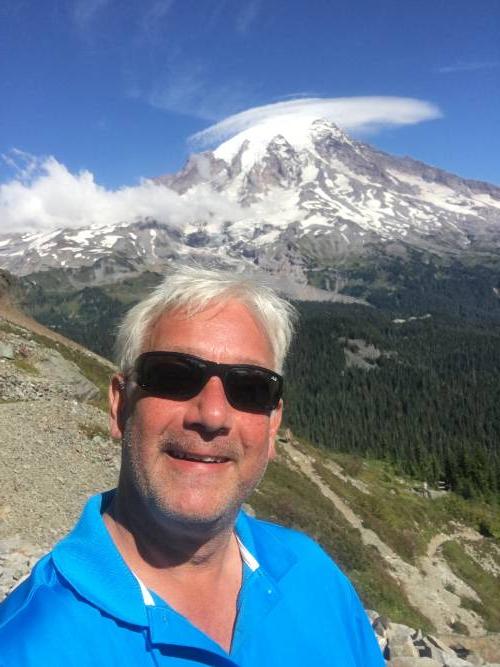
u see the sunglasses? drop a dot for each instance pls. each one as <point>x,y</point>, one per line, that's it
<point>182,376</point>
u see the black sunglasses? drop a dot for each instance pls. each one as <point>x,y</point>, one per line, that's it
<point>182,376</point>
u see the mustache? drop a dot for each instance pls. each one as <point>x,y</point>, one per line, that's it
<point>217,446</point>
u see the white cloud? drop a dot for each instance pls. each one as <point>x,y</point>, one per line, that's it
<point>362,115</point>
<point>45,195</point>
<point>469,67</point>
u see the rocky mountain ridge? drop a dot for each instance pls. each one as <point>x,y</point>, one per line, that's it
<point>304,207</point>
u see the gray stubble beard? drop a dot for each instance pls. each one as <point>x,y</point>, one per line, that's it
<point>137,484</point>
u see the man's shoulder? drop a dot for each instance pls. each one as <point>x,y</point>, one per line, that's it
<point>19,600</point>
<point>38,609</point>
<point>41,584</point>
<point>313,586</point>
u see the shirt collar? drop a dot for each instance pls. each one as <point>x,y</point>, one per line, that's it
<point>261,541</point>
<point>89,560</point>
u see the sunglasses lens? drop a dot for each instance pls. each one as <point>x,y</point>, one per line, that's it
<point>182,376</point>
<point>252,389</point>
<point>170,376</point>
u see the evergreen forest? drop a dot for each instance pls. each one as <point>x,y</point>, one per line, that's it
<point>429,402</point>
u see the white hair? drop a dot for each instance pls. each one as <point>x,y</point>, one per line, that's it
<point>193,289</point>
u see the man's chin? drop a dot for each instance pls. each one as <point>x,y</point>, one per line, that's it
<point>195,517</point>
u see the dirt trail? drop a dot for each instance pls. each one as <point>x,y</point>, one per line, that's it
<point>429,585</point>
<point>438,540</point>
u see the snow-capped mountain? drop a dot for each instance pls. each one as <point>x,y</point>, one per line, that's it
<point>329,184</point>
<point>301,198</point>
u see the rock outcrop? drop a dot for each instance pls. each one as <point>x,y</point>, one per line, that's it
<point>403,646</point>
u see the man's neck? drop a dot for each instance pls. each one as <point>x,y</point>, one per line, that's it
<point>189,571</point>
<point>166,544</point>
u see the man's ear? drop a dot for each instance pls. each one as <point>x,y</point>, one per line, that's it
<point>117,395</point>
<point>276,416</point>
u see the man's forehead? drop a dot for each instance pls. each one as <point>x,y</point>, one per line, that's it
<point>222,329</point>
<point>213,311</point>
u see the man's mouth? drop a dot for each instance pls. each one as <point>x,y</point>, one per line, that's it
<point>197,458</point>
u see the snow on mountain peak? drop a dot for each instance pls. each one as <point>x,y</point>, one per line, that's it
<point>321,129</point>
<point>280,180</point>
<point>299,131</point>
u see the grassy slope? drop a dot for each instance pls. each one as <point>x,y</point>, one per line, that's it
<point>403,519</point>
<point>486,585</point>
<point>289,498</point>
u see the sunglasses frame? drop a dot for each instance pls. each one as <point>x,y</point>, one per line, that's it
<point>209,369</point>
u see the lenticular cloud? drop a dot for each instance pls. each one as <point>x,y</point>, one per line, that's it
<point>354,114</point>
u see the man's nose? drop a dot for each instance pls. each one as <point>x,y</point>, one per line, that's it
<point>210,411</point>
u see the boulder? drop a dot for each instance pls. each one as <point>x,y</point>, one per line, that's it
<point>399,632</point>
<point>6,351</point>
<point>56,369</point>
<point>403,648</point>
<point>457,662</point>
<point>434,641</point>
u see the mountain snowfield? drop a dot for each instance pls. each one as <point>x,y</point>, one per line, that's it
<point>300,196</point>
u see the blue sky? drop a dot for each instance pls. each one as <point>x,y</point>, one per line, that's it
<point>117,88</point>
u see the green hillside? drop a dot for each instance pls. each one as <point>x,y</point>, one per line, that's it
<point>422,394</point>
<point>397,511</point>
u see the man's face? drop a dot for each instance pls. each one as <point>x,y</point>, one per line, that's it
<point>158,433</point>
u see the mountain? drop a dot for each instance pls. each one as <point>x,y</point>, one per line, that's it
<point>427,559</point>
<point>326,216</point>
<point>329,186</point>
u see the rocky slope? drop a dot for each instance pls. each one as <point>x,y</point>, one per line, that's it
<point>55,447</point>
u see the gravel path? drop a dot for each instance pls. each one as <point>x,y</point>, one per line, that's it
<point>49,466</point>
<point>54,450</point>
<point>50,463</point>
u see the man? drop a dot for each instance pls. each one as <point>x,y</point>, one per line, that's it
<point>166,569</point>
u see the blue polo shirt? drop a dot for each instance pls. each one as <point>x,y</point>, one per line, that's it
<point>82,605</point>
